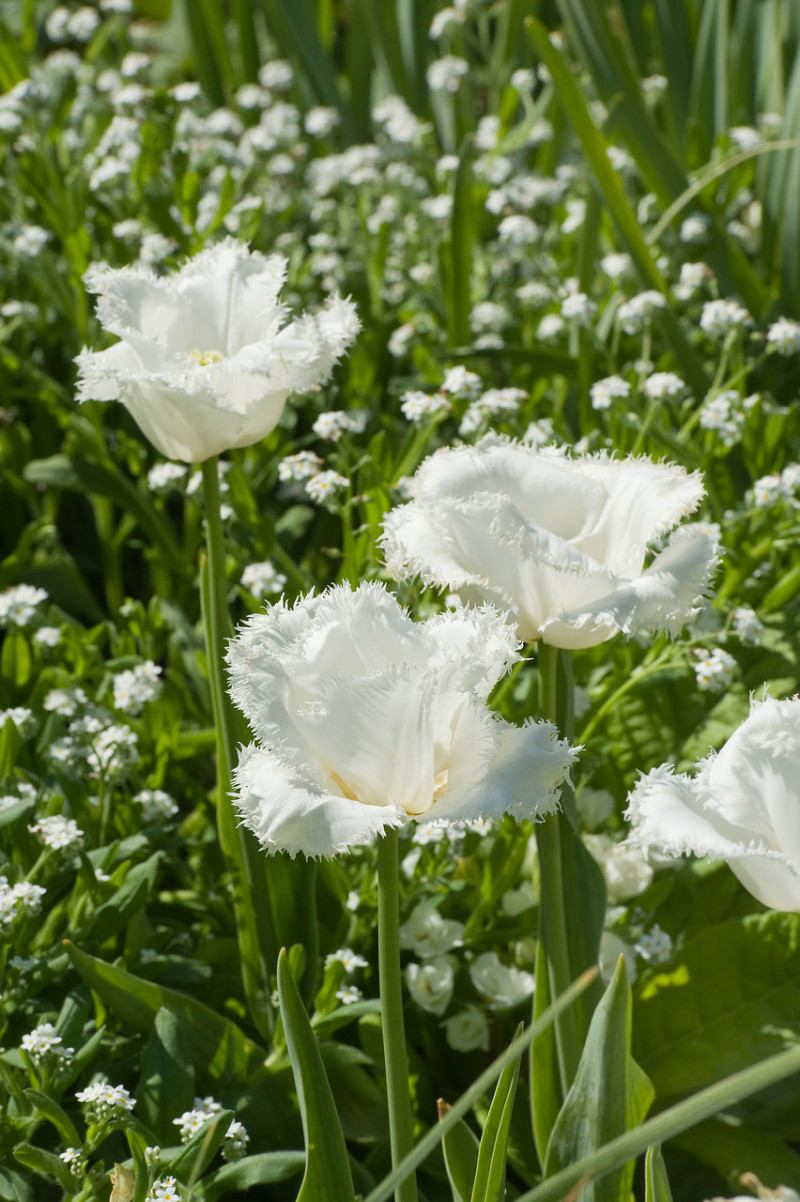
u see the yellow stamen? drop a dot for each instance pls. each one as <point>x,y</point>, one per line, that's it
<point>205,358</point>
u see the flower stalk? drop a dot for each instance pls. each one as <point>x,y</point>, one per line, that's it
<point>552,906</point>
<point>257,942</point>
<point>401,1130</point>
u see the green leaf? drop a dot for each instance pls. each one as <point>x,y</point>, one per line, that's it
<point>80,475</point>
<point>265,1169</point>
<point>166,1084</point>
<point>732,1149</point>
<point>292,24</point>
<point>656,1181</point>
<point>46,1163</point>
<point>217,1047</point>
<point>729,997</point>
<point>460,1147</point>
<point>607,1096</point>
<point>15,663</point>
<point>610,184</point>
<point>7,745</point>
<point>193,1159</point>
<point>327,1172</point>
<point>14,1188</point>
<point>664,1126</point>
<point>50,1110</point>
<point>131,896</point>
<point>490,1174</point>
<point>516,1048</point>
<point>545,1084</point>
<point>461,227</point>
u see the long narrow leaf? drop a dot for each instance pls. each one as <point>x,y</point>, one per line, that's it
<point>656,1181</point>
<point>666,1125</point>
<point>327,1172</point>
<point>468,1099</point>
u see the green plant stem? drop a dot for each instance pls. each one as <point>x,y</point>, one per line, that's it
<point>401,1130</point>
<point>244,860</point>
<point>218,626</point>
<point>552,904</point>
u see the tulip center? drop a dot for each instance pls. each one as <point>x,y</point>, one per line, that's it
<point>205,358</point>
<point>440,783</point>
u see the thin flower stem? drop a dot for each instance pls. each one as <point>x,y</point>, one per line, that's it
<point>552,905</point>
<point>401,1129</point>
<point>218,621</point>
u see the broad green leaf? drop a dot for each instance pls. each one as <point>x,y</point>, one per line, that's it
<point>45,1163</point>
<point>460,1148</point>
<point>327,1172</point>
<point>664,1126</point>
<point>607,1096</point>
<point>7,742</point>
<point>267,1168</point>
<point>733,1149</point>
<point>117,912</point>
<point>15,662</point>
<point>656,1181</point>
<point>13,1188</point>
<point>470,1097</point>
<point>50,1109</point>
<point>218,1048</point>
<point>490,1174</point>
<point>730,996</point>
<point>166,1083</point>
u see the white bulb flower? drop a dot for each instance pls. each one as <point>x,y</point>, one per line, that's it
<point>501,984</point>
<point>206,358</point>
<point>743,806</point>
<point>431,984</point>
<point>365,719</point>
<point>559,542</point>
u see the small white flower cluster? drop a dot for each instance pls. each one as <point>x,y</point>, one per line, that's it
<point>692,278</point>
<point>335,422</point>
<point>492,403</point>
<point>714,670</point>
<point>325,486</point>
<point>165,476</point>
<point>157,806</point>
<point>134,687</point>
<point>17,900</point>
<point>720,317</point>
<point>746,625</point>
<point>263,579</point>
<point>770,490</point>
<point>419,406</point>
<point>44,1040</point>
<point>578,309</point>
<point>603,392</point>
<point>445,74</point>
<point>299,467</point>
<point>164,1189</point>
<point>65,702</point>
<point>105,1100</point>
<point>654,946</point>
<point>784,336</point>
<point>724,416</point>
<point>635,313</point>
<point>22,718</point>
<point>19,605</point>
<point>58,833</point>
<point>236,1138</point>
<point>663,385</point>
<point>74,1159</point>
<point>461,384</point>
<point>347,957</point>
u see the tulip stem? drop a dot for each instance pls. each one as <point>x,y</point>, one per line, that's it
<point>401,1129</point>
<point>552,906</point>
<point>256,937</point>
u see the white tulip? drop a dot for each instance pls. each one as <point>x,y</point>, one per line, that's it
<point>365,718</point>
<point>502,985</point>
<point>206,360</point>
<point>427,933</point>
<point>431,984</point>
<point>467,1031</point>
<point>560,542</point>
<point>743,805</point>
